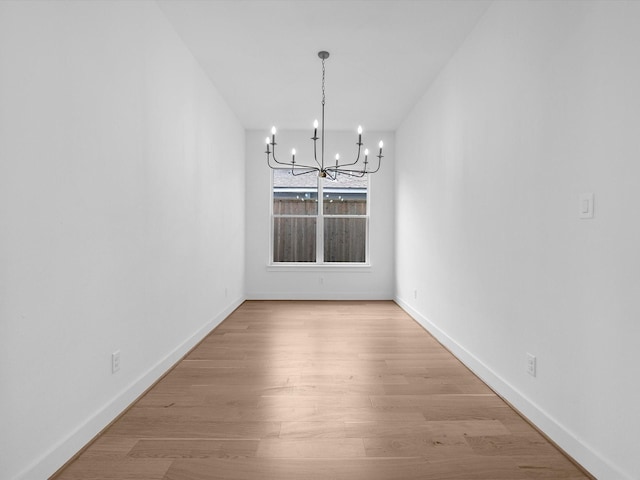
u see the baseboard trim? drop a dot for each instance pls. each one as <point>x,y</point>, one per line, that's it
<point>576,449</point>
<point>53,461</point>
<point>320,296</point>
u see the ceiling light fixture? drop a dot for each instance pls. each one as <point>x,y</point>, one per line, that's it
<point>332,171</point>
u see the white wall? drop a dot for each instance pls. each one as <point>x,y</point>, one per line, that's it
<point>341,283</point>
<point>121,217</point>
<point>539,105</point>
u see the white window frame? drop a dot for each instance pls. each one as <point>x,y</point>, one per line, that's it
<point>320,263</point>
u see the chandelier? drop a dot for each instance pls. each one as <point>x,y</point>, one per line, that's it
<point>353,169</point>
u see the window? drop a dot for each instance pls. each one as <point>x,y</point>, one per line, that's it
<point>307,231</point>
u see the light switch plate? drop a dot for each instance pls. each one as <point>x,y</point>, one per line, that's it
<point>586,205</point>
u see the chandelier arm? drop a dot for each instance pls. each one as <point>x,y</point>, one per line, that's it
<point>359,175</point>
<point>356,160</point>
<point>315,154</point>
<point>279,163</point>
<point>290,164</point>
<point>302,165</point>
<point>379,164</point>
<point>273,154</point>
<point>275,167</point>
<point>351,173</point>
<point>296,167</point>
<point>310,170</point>
<point>286,164</point>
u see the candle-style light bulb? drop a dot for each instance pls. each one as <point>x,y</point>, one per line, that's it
<point>273,130</point>
<point>359,130</point>
<point>380,144</point>
<point>293,152</point>
<point>273,138</point>
<point>366,152</point>
<point>337,157</point>
<point>267,140</point>
<point>315,124</point>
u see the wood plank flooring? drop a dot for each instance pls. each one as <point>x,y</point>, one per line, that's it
<point>320,390</point>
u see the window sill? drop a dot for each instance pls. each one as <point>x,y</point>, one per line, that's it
<point>319,267</point>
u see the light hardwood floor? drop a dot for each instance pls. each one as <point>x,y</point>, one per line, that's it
<point>320,390</point>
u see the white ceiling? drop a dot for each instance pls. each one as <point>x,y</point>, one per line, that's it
<point>262,55</point>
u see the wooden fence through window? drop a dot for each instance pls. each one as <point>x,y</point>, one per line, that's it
<point>294,233</point>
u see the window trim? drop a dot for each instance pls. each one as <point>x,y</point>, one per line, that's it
<point>320,265</point>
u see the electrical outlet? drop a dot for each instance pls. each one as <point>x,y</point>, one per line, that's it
<point>531,365</point>
<point>115,362</point>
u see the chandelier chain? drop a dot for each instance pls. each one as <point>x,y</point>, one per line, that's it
<point>323,82</point>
